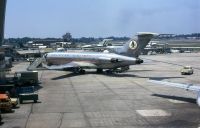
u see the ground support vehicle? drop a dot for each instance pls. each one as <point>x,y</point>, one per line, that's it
<point>5,103</point>
<point>187,70</point>
<point>27,93</point>
<point>26,78</point>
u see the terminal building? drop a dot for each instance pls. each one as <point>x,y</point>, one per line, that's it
<point>49,44</point>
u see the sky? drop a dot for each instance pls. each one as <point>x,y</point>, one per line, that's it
<point>100,18</point>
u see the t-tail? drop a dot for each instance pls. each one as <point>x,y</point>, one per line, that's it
<point>134,46</point>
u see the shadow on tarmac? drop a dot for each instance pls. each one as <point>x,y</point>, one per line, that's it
<point>137,76</point>
<point>114,75</point>
<point>185,99</point>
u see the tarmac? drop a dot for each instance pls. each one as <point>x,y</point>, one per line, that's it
<point>125,100</point>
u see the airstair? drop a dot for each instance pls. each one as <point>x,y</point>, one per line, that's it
<point>35,64</point>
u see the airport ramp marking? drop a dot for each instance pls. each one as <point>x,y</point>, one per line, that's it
<point>177,101</point>
<point>153,113</point>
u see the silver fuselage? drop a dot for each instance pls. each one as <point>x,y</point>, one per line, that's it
<point>101,60</point>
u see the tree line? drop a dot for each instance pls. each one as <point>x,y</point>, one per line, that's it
<point>65,38</point>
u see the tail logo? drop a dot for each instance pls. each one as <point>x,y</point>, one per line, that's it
<point>133,45</point>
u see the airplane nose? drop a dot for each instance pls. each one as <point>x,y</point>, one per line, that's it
<point>139,61</point>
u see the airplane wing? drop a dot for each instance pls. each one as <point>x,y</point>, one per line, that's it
<point>190,87</point>
<point>72,64</point>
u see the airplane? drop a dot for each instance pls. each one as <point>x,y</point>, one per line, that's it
<point>102,44</point>
<point>112,62</point>
<point>187,87</point>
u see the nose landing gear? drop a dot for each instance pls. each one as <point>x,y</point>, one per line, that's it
<point>79,71</point>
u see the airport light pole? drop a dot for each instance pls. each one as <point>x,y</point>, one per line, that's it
<point>2,19</point>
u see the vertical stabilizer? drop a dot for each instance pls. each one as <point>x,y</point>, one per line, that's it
<point>143,38</point>
<point>134,46</point>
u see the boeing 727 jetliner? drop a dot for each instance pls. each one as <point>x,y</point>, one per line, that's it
<point>77,62</point>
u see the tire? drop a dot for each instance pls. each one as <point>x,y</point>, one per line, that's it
<point>21,102</point>
<point>99,70</point>
<point>109,72</point>
<point>82,71</point>
<point>32,82</point>
<point>35,101</point>
<point>14,106</point>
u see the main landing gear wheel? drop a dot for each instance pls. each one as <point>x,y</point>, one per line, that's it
<point>79,71</point>
<point>109,71</point>
<point>99,70</point>
<point>82,71</point>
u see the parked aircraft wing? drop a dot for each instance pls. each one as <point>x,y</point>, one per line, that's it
<point>183,86</point>
<point>73,64</point>
<point>190,87</point>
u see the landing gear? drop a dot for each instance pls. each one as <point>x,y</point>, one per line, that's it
<point>82,71</point>
<point>99,70</point>
<point>109,71</point>
<point>118,70</point>
<point>79,71</point>
<point>121,69</point>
